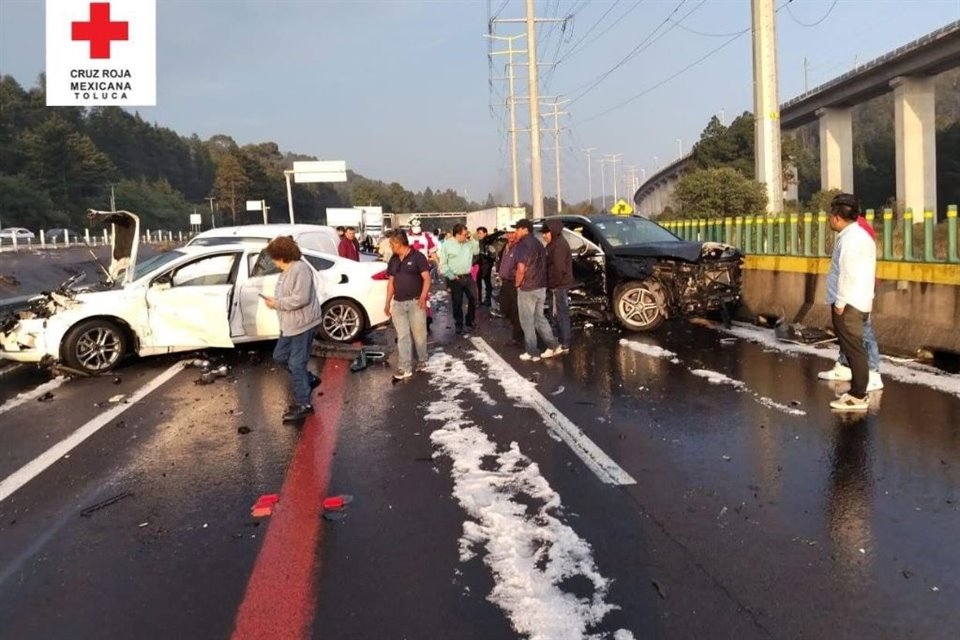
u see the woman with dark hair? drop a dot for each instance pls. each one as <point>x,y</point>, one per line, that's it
<point>298,305</point>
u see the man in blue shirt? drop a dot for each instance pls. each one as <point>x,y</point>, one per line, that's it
<point>456,260</point>
<point>531,283</point>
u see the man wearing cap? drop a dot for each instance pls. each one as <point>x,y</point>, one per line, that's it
<point>841,369</point>
<point>850,285</point>
<point>559,278</point>
<point>531,283</point>
<point>456,260</point>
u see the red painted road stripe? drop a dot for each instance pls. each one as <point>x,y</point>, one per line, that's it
<point>280,600</point>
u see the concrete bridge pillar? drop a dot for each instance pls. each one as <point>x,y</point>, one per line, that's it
<point>836,149</point>
<point>915,131</point>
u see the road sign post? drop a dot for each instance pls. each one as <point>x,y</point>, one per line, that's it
<point>313,171</point>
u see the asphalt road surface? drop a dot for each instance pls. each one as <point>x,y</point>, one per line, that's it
<point>690,483</point>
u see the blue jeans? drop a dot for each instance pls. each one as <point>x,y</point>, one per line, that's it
<point>410,321</point>
<point>870,342</point>
<point>293,352</point>
<point>560,303</point>
<point>534,322</point>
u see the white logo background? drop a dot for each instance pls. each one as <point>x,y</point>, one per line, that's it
<point>67,58</point>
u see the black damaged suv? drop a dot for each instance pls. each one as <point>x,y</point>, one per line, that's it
<point>632,270</point>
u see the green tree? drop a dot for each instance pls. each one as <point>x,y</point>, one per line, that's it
<point>719,192</point>
<point>366,193</point>
<point>231,184</point>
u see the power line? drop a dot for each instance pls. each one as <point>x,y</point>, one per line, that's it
<point>678,73</point>
<point>644,44</point>
<point>591,29</point>
<point>665,80</point>
<point>812,24</point>
<point>605,31</point>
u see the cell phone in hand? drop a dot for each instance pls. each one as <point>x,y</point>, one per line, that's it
<point>264,296</point>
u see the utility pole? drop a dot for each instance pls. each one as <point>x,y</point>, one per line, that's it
<point>766,108</point>
<point>213,218</point>
<point>556,145</point>
<point>614,158</point>
<point>590,173</point>
<point>512,106</point>
<point>603,185</point>
<point>806,75</point>
<point>113,199</point>
<point>633,185</point>
<point>536,163</point>
<point>679,148</point>
<point>536,169</point>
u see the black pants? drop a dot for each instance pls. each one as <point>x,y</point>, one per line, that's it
<point>458,287</point>
<point>485,281</point>
<point>849,329</point>
<point>509,308</point>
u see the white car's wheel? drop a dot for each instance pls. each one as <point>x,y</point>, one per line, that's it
<point>343,321</point>
<point>94,346</point>
<point>639,306</point>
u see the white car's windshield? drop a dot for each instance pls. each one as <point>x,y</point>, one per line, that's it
<point>628,231</point>
<point>157,261</point>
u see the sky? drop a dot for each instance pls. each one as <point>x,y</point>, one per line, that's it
<point>401,89</point>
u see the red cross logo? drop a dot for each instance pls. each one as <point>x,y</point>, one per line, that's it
<point>100,31</point>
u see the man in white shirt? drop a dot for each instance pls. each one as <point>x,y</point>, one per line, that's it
<point>850,284</point>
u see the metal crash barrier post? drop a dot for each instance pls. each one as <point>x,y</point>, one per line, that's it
<point>888,234</point>
<point>952,254</point>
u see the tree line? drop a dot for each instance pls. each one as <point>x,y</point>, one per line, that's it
<point>57,162</point>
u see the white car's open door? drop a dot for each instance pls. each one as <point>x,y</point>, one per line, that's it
<point>189,307</point>
<point>258,320</point>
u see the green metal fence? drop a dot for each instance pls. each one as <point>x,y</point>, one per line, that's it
<point>808,234</point>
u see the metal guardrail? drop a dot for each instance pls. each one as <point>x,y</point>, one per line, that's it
<point>807,235</point>
<point>40,242</point>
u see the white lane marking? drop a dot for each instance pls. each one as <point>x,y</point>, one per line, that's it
<point>519,388</point>
<point>514,520</point>
<point>911,374</point>
<point>33,394</point>
<point>35,467</point>
<point>10,368</point>
<point>713,377</point>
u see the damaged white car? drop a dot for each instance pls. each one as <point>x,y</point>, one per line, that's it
<point>190,298</point>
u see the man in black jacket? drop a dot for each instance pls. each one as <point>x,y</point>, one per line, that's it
<point>485,261</point>
<point>559,278</point>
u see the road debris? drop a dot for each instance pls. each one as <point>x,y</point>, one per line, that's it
<point>264,505</point>
<point>335,503</point>
<point>660,590</point>
<point>86,513</point>
<point>117,398</point>
<point>559,390</point>
<point>727,458</point>
<point>45,397</point>
<point>244,430</point>
<point>335,516</point>
<point>143,524</point>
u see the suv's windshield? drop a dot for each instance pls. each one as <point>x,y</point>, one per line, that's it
<point>146,266</point>
<point>628,231</point>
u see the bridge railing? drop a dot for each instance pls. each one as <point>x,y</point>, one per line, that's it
<point>808,235</point>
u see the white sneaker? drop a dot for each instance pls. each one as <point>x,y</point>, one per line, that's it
<point>839,372</point>
<point>875,383</point>
<point>549,353</point>
<point>847,402</point>
<point>526,357</point>
<point>402,375</point>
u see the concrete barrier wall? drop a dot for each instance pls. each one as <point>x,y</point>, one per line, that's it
<point>916,306</point>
